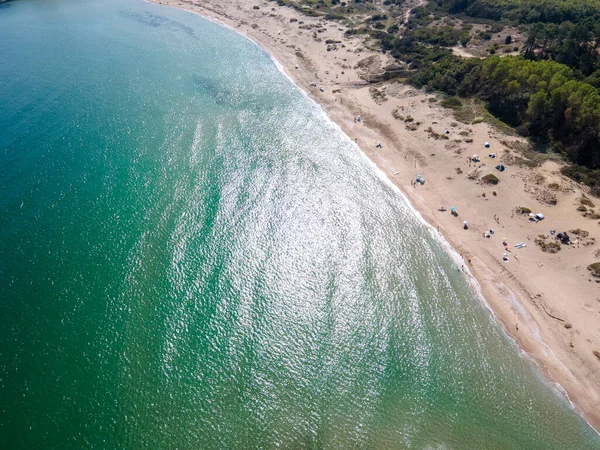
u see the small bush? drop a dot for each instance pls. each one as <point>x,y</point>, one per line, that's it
<point>451,102</point>
<point>490,179</point>
<point>581,208</point>
<point>523,210</point>
<point>586,201</point>
<point>595,269</point>
<point>592,215</point>
<point>548,247</point>
<point>554,186</point>
<point>580,233</point>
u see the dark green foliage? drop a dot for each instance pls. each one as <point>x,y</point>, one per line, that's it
<point>451,102</point>
<point>393,29</point>
<point>411,51</point>
<point>571,44</point>
<point>524,11</point>
<point>445,36</point>
<point>490,179</point>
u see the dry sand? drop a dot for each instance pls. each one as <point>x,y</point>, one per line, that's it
<point>548,303</point>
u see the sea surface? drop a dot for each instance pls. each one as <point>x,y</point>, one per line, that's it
<point>193,256</point>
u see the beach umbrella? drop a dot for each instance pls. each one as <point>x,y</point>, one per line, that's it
<point>453,209</point>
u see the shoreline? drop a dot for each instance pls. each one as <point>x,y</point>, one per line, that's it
<point>531,334</point>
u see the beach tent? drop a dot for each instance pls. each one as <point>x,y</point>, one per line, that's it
<point>563,237</point>
<point>500,167</point>
<point>539,216</point>
<point>486,145</point>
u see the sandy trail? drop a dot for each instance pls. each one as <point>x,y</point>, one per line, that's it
<point>407,16</point>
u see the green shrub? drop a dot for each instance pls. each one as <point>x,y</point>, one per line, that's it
<point>451,102</point>
<point>490,179</point>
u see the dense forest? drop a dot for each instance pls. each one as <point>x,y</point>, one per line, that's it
<point>525,11</point>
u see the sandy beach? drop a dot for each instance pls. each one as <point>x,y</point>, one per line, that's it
<point>547,302</point>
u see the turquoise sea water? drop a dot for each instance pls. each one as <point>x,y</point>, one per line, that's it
<point>192,256</point>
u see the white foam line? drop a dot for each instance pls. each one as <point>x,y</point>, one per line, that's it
<point>456,257</point>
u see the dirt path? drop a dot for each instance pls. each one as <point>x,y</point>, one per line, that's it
<point>407,15</point>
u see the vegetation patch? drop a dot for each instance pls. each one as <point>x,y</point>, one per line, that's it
<point>554,186</point>
<point>522,210</point>
<point>490,179</point>
<point>545,246</point>
<point>378,95</point>
<point>451,102</point>
<point>396,114</point>
<point>594,268</point>
<point>580,233</point>
<point>586,201</point>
